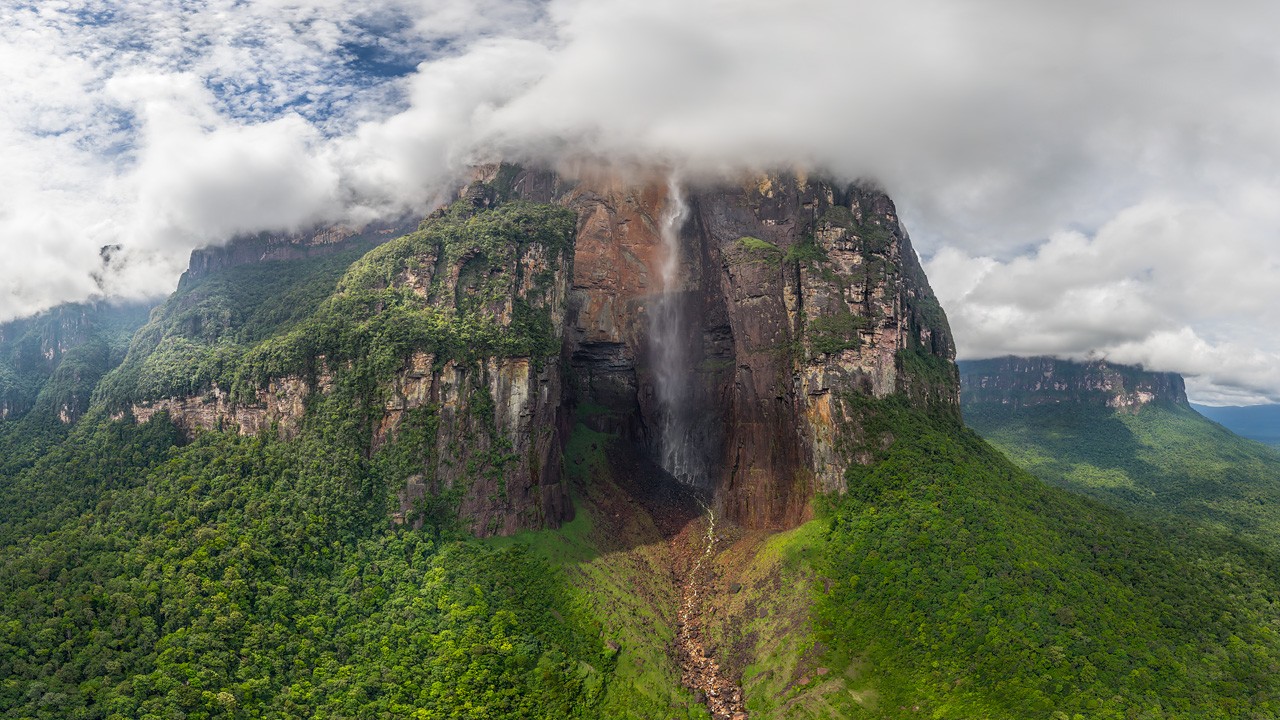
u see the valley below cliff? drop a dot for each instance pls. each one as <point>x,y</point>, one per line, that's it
<point>1126,437</point>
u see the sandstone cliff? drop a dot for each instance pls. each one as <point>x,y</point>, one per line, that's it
<point>1017,382</point>
<point>798,293</point>
<point>788,298</point>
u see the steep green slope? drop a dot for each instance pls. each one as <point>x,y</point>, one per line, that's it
<point>49,366</point>
<point>241,327</point>
<point>969,589</point>
<point>1166,460</point>
<point>949,584</point>
<point>209,323</point>
<point>47,361</point>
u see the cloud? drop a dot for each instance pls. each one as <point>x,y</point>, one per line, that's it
<point>1185,287</point>
<point>200,178</point>
<point>1083,176</point>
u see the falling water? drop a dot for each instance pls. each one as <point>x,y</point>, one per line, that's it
<point>670,353</point>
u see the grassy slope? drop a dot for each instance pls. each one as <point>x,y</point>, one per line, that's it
<point>1166,460</point>
<point>616,555</point>
<point>763,626</point>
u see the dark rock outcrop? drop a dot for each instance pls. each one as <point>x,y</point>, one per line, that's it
<point>263,247</point>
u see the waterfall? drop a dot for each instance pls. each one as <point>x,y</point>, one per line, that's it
<point>670,353</point>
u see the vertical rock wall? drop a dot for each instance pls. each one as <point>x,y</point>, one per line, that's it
<point>500,431</point>
<point>797,295</point>
<point>802,293</point>
<point>500,424</point>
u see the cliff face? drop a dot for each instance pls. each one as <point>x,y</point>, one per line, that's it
<point>452,331</point>
<point>500,420</point>
<point>263,247</point>
<point>794,295</point>
<point>781,298</point>
<point>1017,382</point>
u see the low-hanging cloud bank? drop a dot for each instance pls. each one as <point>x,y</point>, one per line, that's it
<point>1090,177</point>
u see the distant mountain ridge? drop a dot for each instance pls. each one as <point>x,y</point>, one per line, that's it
<point>1025,382</point>
<point>1256,422</point>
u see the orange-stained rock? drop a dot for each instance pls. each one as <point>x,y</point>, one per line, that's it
<point>797,296</point>
<point>772,394</point>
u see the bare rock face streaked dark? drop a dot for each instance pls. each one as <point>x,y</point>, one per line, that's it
<point>1018,382</point>
<point>799,294</point>
<point>791,298</point>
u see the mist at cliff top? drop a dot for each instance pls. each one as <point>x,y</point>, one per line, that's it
<point>1083,178</point>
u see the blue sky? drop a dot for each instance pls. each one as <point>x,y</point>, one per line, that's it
<point>1092,178</point>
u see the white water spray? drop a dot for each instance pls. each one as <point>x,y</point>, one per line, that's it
<point>670,352</point>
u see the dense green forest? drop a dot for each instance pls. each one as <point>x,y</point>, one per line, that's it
<point>249,577</point>
<point>145,573</point>
<point>253,577</point>
<point>1165,461</point>
<point>973,590</point>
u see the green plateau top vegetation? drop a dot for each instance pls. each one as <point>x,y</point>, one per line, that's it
<point>144,574</point>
